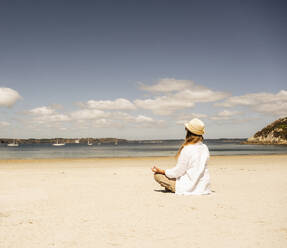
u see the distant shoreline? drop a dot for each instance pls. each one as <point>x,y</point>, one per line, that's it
<point>101,140</point>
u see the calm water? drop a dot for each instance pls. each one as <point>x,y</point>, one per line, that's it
<point>166,148</point>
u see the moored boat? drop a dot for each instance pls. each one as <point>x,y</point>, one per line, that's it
<point>13,144</point>
<point>59,144</point>
<point>89,143</point>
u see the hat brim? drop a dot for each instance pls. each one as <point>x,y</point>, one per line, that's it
<point>193,130</point>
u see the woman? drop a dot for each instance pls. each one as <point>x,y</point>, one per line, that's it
<point>190,175</point>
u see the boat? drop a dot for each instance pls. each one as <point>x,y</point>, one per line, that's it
<point>14,144</point>
<point>58,144</point>
<point>116,143</point>
<point>89,143</point>
<point>77,141</point>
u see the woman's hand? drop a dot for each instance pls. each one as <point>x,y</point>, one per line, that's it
<point>157,170</point>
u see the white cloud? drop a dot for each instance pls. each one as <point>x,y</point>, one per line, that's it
<point>124,120</point>
<point>46,115</point>
<point>224,115</point>
<point>142,118</point>
<point>168,85</point>
<point>104,123</point>
<point>164,105</point>
<point>201,94</point>
<point>45,110</point>
<point>4,124</point>
<point>43,119</point>
<point>121,116</point>
<point>8,97</point>
<point>180,94</point>
<point>147,122</point>
<point>107,123</point>
<point>267,103</point>
<point>87,114</point>
<point>85,118</point>
<point>63,128</point>
<point>227,113</point>
<point>274,108</point>
<point>118,104</point>
<point>139,120</point>
<point>184,118</point>
<point>198,115</point>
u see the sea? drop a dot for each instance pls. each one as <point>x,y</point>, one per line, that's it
<point>220,147</point>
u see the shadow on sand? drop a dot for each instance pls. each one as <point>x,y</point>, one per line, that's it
<point>163,191</point>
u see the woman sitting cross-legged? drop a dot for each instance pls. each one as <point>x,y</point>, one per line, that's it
<point>190,176</point>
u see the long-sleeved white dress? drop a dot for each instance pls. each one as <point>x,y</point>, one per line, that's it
<point>191,173</point>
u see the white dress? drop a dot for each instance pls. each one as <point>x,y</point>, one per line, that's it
<point>191,173</point>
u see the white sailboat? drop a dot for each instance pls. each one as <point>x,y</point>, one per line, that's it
<point>13,144</point>
<point>89,143</point>
<point>58,144</point>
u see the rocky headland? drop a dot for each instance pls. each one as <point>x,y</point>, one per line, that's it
<point>275,133</point>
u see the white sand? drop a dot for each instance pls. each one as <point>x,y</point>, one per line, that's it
<point>115,202</point>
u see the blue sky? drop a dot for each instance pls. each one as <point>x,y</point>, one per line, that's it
<point>67,62</point>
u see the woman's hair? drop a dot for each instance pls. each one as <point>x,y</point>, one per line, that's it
<point>190,138</point>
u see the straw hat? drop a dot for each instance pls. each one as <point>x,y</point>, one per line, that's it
<point>195,126</point>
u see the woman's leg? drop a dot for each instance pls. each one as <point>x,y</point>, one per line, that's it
<point>165,182</point>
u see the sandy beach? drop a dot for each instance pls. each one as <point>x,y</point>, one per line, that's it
<point>116,203</point>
